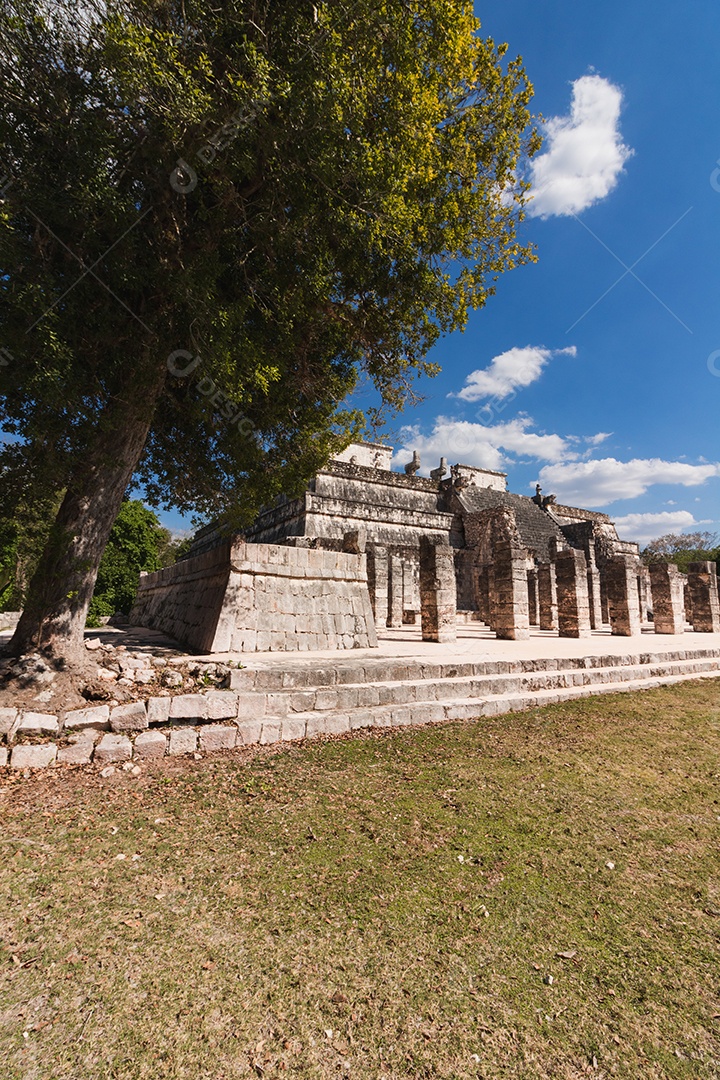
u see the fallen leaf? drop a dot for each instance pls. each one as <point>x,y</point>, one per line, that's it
<point>567,955</point>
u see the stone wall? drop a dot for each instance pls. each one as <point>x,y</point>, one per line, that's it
<point>240,597</point>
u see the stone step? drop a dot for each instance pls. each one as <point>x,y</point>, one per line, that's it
<point>361,672</point>
<point>308,725</point>
<point>461,687</point>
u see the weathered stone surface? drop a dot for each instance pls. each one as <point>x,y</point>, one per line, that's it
<point>113,748</point>
<point>149,745</point>
<point>271,732</point>
<point>249,732</point>
<point>96,716</point>
<point>438,595</point>
<point>158,709</point>
<point>7,719</point>
<point>34,723</point>
<point>189,707</point>
<point>667,586</point>
<point>572,592</point>
<point>292,728</point>
<point>395,591</point>
<point>131,717</point>
<point>183,740</point>
<point>703,589</point>
<point>547,596</point>
<point>28,756</point>
<point>3,756</point>
<point>79,752</point>
<point>218,737</point>
<point>222,705</point>
<point>622,590</point>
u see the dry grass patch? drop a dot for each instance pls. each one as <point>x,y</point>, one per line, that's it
<point>389,906</point>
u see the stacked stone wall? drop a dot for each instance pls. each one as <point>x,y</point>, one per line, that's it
<point>261,597</point>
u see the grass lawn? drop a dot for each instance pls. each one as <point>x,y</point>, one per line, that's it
<point>536,895</point>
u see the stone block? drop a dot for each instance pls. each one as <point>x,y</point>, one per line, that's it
<point>183,740</point>
<point>97,717</point>
<point>218,737</point>
<point>189,707</point>
<point>149,745</point>
<point>337,723</point>
<point>438,598</point>
<point>3,756</point>
<point>222,705</point>
<point>292,728</point>
<point>27,756</point>
<point>131,717</point>
<point>7,719</point>
<point>35,723</point>
<point>271,732</point>
<point>113,748</point>
<point>251,706</point>
<point>158,709</point>
<point>76,753</point>
<point>248,732</point>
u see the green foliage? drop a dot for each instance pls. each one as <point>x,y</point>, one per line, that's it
<point>351,193</point>
<point>683,549</point>
<point>136,543</point>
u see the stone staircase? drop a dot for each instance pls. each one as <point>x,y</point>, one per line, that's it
<point>299,699</point>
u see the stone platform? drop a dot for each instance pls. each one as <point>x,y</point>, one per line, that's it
<point>404,682</point>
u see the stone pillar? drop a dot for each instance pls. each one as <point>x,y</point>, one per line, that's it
<point>377,572</point>
<point>644,592</point>
<point>547,597</point>
<point>509,601</point>
<point>411,592</point>
<point>667,587</point>
<point>604,605</point>
<point>395,591</point>
<point>483,594</point>
<point>438,593</point>
<point>593,576</point>
<point>703,586</point>
<point>533,599</point>
<point>621,577</point>
<point>572,593</point>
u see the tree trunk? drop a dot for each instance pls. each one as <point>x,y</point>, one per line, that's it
<point>53,620</point>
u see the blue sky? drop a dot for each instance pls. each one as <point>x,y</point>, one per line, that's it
<point>605,390</point>
<point>597,370</point>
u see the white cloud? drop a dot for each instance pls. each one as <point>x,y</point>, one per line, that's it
<point>480,445</point>
<point>645,527</point>
<point>584,153</point>
<point>518,367</point>
<point>602,481</point>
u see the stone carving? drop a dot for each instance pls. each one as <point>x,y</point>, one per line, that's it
<point>437,474</point>
<point>459,481</point>
<point>412,466</point>
<point>543,501</point>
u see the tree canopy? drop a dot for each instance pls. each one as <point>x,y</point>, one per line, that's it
<point>683,549</point>
<point>215,219</point>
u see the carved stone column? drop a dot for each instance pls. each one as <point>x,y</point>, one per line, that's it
<point>438,591</point>
<point>395,592</point>
<point>572,593</point>
<point>510,607</point>
<point>703,586</point>
<point>667,585</point>
<point>622,585</point>
<point>547,596</point>
<point>533,599</point>
<point>377,572</point>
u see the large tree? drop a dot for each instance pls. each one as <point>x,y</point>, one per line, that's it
<point>214,219</point>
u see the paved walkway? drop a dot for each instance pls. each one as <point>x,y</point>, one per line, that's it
<point>475,643</point>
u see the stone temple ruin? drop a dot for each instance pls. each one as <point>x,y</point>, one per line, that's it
<point>367,548</point>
